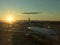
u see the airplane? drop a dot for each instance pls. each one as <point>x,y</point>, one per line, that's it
<point>43,35</point>
<point>48,33</point>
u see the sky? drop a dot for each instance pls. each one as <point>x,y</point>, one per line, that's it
<point>35,9</point>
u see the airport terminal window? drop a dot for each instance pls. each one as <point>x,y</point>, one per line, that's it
<point>29,22</point>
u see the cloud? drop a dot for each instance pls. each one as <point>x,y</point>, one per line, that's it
<point>31,12</point>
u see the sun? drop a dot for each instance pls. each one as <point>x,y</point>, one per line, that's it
<point>10,19</point>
